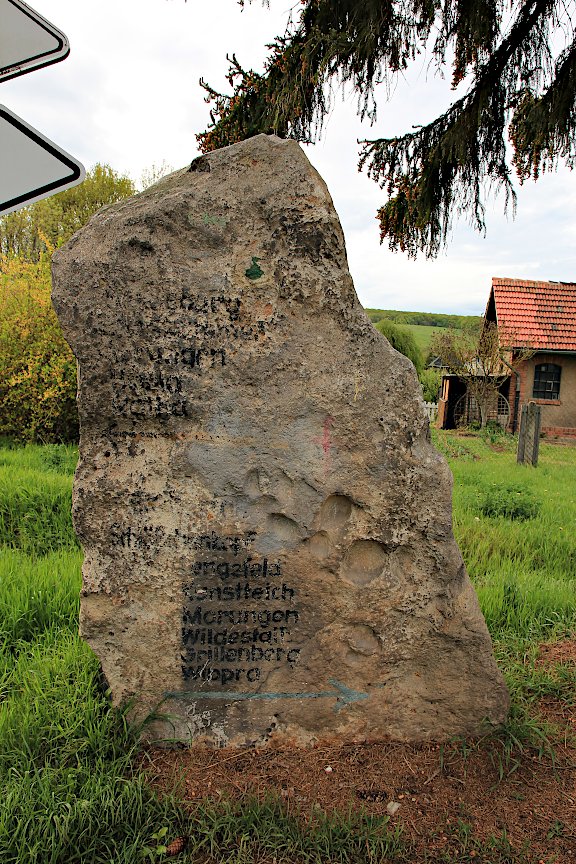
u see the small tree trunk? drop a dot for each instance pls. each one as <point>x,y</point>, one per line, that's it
<point>483,405</point>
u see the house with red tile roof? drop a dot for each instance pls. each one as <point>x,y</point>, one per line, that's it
<point>536,324</point>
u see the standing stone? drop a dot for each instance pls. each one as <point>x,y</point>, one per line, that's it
<point>266,525</point>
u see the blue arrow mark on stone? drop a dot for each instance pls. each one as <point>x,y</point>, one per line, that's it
<point>344,695</point>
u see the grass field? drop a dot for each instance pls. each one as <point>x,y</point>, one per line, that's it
<point>71,791</point>
<point>515,527</point>
<point>422,335</point>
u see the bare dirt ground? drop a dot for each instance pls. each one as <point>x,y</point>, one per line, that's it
<point>457,802</point>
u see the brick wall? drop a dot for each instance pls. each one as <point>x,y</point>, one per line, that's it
<point>558,415</point>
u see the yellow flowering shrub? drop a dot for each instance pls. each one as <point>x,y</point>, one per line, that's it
<point>37,367</point>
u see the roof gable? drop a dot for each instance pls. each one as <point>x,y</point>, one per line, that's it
<point>537,315</point>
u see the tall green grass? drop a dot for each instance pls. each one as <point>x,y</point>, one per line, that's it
<point>250,831</point>
<point>65,755</point>
<point>36,499</point>
<point>37,595</point>
<point>65,762</point>
<point>61,458</point>
<point>516,527</point>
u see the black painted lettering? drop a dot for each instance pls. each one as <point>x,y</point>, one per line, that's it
<point>238,610</point>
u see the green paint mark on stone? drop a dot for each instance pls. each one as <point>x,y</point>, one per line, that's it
<point>254,271</point>
<point>220,221</point>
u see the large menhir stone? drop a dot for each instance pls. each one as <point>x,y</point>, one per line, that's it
<point>266,525</point>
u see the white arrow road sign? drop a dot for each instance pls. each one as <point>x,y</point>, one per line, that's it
<point>27,40</point>
<point>31,166</point>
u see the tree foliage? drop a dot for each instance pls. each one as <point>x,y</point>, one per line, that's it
<point>426,319</point>
<point>402,340</point>
<point>37,368</point>
<point>28,233</point>
<point>517,58</point>
<point>430,380</point>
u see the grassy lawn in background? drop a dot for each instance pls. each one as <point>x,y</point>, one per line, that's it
<point>71,791</point>
<point>423,336</point>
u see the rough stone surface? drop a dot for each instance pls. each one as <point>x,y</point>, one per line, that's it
<point>266,525</point>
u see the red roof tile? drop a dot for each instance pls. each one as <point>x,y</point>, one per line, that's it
<point>538,315</point>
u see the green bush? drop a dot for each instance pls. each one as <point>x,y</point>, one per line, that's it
<point>37,368</point>
<point>402,340</point>
<point>494,433</point>
<point>426,319</point>
<point>430,382</point>
<point>509,502</point>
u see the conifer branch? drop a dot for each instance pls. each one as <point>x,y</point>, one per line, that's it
<point>441,169</point>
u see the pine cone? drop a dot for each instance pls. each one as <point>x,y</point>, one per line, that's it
<point>177,846</point>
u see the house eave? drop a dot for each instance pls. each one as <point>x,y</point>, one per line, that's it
<point>541,350</point>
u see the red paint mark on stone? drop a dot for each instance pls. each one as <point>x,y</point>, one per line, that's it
<point>326,443</point>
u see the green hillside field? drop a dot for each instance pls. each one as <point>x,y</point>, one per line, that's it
<point>423,325</point>
<point>422,335</point>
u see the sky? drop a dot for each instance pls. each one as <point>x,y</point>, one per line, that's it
<point>129,96</point>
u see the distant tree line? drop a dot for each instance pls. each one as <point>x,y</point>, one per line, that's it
<point>48,224</point>
<point>428,319</point>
